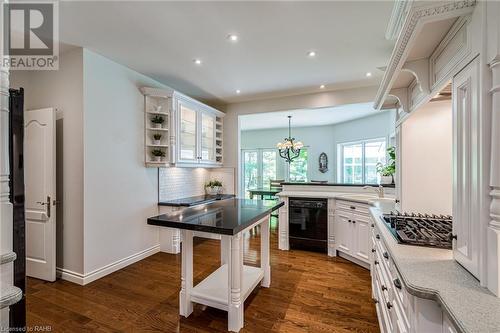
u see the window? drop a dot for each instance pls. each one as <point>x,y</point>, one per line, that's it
<point>298,167</point>
<point>358,161</point>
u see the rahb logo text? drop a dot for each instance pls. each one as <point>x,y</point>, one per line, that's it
<point>31,35</point>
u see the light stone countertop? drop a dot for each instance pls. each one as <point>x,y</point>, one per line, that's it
<point>433,274</point>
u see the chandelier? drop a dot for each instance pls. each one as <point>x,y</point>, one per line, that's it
<point>289,149</point>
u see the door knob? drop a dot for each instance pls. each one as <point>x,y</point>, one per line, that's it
<point>46,203</point>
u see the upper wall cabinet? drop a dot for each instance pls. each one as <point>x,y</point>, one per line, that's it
<point>193,131</point>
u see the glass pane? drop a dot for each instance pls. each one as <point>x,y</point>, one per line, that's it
<point>250,171</point>
<point>298,167</point>
<point>268,167</point>
<point>352,163</point>
<point>374,153</point>
<point>207,137</point>
<point>188,134</point>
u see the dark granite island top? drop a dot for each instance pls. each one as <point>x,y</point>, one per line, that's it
<point>197,200</point>
<point>225,217</point>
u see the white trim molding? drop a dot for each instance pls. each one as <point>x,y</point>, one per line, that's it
<point>493,240</point>
<point>417,16</point>
<point>83,279</point>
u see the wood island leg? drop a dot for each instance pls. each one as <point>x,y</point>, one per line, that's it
<point>264,253</point>
<point>185,304</point>
<point>235,276</point>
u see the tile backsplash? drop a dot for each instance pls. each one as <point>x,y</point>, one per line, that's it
<point>175,183</point>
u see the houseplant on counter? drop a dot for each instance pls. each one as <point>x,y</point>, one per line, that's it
<point>158,155</point>
<point>213,187</point>
<point>157,121</point>
<point>388,170</point>
<point>157,139</point>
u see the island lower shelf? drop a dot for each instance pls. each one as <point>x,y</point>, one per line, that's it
<point>213,290</point>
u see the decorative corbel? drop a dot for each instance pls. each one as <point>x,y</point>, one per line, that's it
<point>420,70</point>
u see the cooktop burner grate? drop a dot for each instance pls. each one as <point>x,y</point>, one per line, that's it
<point>421,229</point>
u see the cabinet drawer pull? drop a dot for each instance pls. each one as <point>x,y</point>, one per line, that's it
<point>373,250</point>
<point>384,288</point>
<point>352,207</point>
<point>376,262</point>
<point>454,237</point>
<point>377,236</point>
<point>389,305</point>
<point>373,225</point>
<point>397,283</point>
<point>375,300</point>
<point>386,255</point>
<point>349,221</point>
<point>353,221</point>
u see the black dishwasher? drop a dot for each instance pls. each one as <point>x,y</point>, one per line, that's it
<point>308,220</point>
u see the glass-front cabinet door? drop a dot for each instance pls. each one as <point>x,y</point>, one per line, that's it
<point>207,138</point>
<point>187,145</point>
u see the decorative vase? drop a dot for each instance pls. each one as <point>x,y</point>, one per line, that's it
<point>157,158</point>
<point>385,180</point>
<point>213,190</point>
<point>157,125</point>
<point>157,142</point>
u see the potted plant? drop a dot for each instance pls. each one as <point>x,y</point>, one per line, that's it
<point>158,155</point>
<point>157,121</point>
<point>157,139</point>
<point>213,187</point>
<point>388,170</point>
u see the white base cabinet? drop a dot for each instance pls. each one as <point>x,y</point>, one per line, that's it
<point>398,311</point>
<point>352,229</point>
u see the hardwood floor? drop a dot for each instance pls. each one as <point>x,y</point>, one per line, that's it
<point>309,292</point>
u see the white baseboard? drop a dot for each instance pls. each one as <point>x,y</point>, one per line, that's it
<point>83,279</point>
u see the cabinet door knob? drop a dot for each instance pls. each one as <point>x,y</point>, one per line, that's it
<point>373,250</point>
<point>353,221</point>
<point>397,283</point>
<point>375,300</point>
<point>373,225</point>
<point>377,236</point>
<point>397,201</point>
<point>376,262</point>
<point>389,305</point>
<point>349,221</point>
<point>386,255</point>
<point>453,237</point>
<point>384,288</point>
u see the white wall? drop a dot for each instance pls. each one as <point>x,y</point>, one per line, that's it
<point>426,163</point>
<point>119,193</point>
<point>63,89</point>
<point>320,139</point>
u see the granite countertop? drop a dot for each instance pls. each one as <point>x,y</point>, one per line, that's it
<point>226,217</point>
<point>335,184</point>
<point>197,200</point>
<point>433,274</point>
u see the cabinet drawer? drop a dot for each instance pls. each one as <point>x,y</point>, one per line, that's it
<point>353,207</point>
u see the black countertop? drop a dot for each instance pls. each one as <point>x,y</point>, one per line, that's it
<point>336,184</point>
<point>197,200</point>
<point>226,217</point>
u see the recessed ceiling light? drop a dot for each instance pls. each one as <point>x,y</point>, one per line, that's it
<point>238,91</point>
<point>322,86</point>
<point>311,54</point>
<point>368,74</point>
<point>197,61</point>
<point>232,37</point>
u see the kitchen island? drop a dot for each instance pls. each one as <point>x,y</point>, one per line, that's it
<point>228,286</point>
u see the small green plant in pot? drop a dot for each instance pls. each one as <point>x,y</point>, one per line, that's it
<point>388,170</point>
<point>213,187</point>
<point>157,139</point>
<point>157,121</point>
<point>158,155</point>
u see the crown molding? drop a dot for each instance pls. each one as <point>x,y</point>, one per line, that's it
<point>419,13</point>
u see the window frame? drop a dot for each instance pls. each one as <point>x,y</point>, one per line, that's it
<point>340,154</point>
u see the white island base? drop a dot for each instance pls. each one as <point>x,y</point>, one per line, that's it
<point>227,287</point>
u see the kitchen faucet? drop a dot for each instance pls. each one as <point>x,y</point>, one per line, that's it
<point>379,190</point>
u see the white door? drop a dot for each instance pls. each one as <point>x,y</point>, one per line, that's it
<point>343,232</point>
<point>40,182</point>
<point>466,167</point>
<point>362,243</point>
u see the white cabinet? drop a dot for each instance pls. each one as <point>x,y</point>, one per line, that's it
<point>467,167</point>
<point>352,230</point>
<point>199,133</point>
<point>181,131</point>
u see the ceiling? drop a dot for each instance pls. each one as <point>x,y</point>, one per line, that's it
<point>162,38</point>
<point>307,117</point>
